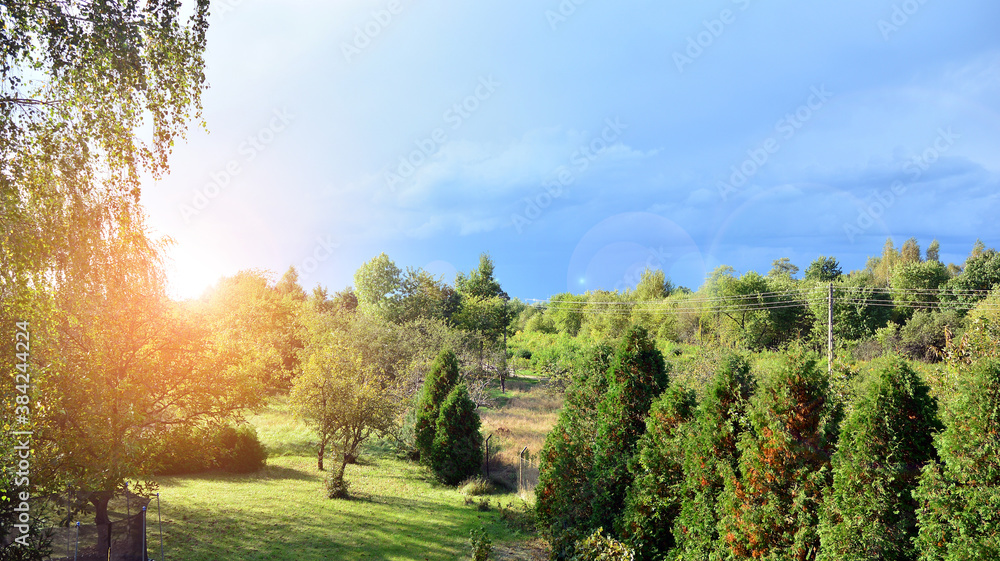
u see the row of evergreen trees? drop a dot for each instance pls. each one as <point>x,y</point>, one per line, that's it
<point>775,468</point>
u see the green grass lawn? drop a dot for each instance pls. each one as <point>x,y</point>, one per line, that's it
<point>281,513</point>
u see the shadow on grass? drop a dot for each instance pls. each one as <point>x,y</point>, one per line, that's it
<point>374,528</point>
<point>269,473</point>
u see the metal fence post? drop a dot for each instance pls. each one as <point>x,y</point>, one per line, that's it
<point>159,521</point>
<point>488,456</point>
<point>520,469</point>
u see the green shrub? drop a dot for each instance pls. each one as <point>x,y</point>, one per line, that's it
<point>184,450</point>
<point>598,547</point>
<point>959,496</point>
<point>235,449</point>
<point>884,442</point>
<point>439,382</point>
<point>239,449</point>
<point>475,486</point>
<point>923,337</point>
<point>457,452</point>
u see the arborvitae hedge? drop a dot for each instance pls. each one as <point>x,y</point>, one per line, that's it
<point>654,499</point>
<point>564,494</point>
<point>771,508</point>
<point>637,375</point>
<point>887,438</point>
<point>711,457</point>
<point>457,452</point>
<point>959,515</point>
<point>438,384</point>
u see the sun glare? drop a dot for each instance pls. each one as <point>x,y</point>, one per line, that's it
<point>190,272</point>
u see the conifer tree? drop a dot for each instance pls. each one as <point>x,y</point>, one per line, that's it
<point>770,508</point>
<point>959,496</point>
<point>457,452</point>
<point>870,512</point>
<point>654,499</point>
<point>438,384</point>
<point>711,457</point>
<point>637,375</point>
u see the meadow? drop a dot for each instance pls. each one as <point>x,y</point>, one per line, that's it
<point>397,510</point>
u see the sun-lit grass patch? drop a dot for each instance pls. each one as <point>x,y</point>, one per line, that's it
<point>528,414</point>
<point>397,509</point>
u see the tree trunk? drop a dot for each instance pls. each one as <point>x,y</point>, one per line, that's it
<point>322,448</point>
<point>103,522</point>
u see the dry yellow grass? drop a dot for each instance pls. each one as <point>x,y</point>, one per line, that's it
<point>524,420</point>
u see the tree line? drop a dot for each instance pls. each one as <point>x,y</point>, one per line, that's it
<point>774,463</point>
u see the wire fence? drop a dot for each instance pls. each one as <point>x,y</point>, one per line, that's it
<point>510,465</point>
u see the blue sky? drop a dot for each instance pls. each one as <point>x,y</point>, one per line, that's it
<point>580,141</point>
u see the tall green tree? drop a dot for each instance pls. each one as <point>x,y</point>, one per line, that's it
<point>711,457</point>
<point>564,493</point>
<point>123,365</point>
<point>959,495</point>
<point>980,275</point>
<point>783,267</point>
<point>637,375</point>
<point>770,508</point>
<point>934,251</point>
<point>910,252</point>
<point>823,269</point>
<point>870,512</point>
<point>92,96</point>
<point>655,497</point>
<point>378,284</point>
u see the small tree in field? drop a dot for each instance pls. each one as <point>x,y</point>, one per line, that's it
<point>438,384</point>
<point>457,452</point>
<point>345,400</point>
<point>870,512</point>
<point>959,514</point>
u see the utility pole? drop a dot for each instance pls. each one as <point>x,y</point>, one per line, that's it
<point>829,330</point>
<point>503,375</point>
